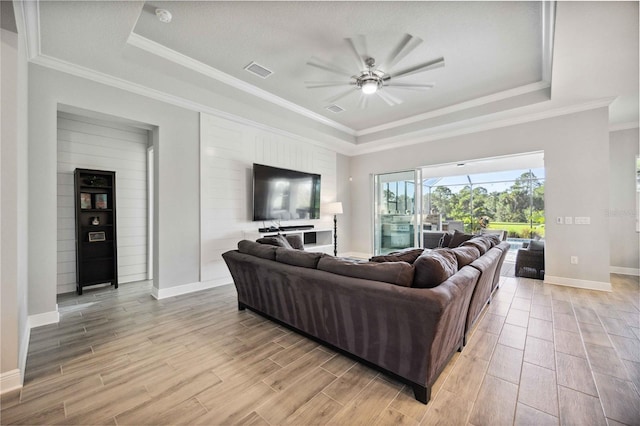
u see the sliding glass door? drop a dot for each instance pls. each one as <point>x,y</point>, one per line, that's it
<point>395,211</point>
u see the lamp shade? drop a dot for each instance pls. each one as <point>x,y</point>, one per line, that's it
<point>332,208</point>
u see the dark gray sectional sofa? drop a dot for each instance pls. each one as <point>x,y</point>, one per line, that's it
<point>405,318</point>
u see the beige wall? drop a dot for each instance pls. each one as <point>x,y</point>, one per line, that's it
<point>576,152</point>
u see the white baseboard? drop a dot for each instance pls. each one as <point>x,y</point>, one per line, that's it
<point>10,380</point>
<point>163,293</point>
<point>24,350</point>
<point>624,271</point>
<point>45,318</point>
<point>572,282</point>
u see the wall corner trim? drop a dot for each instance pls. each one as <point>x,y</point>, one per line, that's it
<point>577,283</point>
<point>635,272</point>
<point>10,380</point>
<point>45,318</point>
<point>163,293</point>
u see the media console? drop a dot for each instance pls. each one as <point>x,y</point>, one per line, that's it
<point>317,240</point>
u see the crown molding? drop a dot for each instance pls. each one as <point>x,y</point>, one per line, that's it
<point>614,127</point>
<point>474,125</point>
<point>28,23</point>
<point>548,32</point>
<point>506,94</point>
<point>157,49</point>
<point>341,147</point>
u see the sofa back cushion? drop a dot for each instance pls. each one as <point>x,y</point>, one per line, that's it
<point>408,255</point>
<point>264,251</point>
<point>296,241</point>
<point>458,238</point>
<point>434,267</point>
<point>398,273</point>
<point>445,240</point>
<point>480,243</point>
<point>275,240</point>
<point>306,259</point>
<point>465,255</point>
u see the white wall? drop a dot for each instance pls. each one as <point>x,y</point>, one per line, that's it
<point>576,153</point>
<point>177,177</point>
<point>14,331</point>
<point>9,203</point>
<point>623,211</point>
<point>229,150</point>
<point>95,144</point>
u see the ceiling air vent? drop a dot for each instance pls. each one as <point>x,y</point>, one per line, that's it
<point>258,70</point>
<point>335,108</point>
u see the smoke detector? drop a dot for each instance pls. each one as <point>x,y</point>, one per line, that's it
<point>163,15</point>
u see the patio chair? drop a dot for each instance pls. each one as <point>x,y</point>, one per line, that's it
<point>530,260</point>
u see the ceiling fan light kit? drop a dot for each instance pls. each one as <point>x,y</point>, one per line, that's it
<point>373,79</point>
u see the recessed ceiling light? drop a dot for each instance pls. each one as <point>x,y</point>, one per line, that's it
<point>163,15</point>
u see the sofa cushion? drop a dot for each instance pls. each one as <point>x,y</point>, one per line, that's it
<point>398,273</point>
<point>445,240</point>
<point>408,255</point>
<point>481,244</point>
<point>465,255</point>
<point>256,249</point>
<point>494,238</point>
<point>296,241</point>
<point>434,267</point>
<point>275,240</point>
<point>306,259</point>
<point>458,238</point>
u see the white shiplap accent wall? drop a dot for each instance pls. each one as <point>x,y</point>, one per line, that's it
<point>228,151</point>
<point>93,144</point>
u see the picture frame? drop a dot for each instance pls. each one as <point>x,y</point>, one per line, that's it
<point>97,236</point>
<point>85,200</point>
<point>101,201</point>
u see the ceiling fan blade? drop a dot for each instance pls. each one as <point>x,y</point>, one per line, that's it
<point>315,62</point>
<point>360,62</point>
<point>319,84</point>
<point>409,86</point>
<point>429,65</point>
<point>364,101</point>
<point>406,46</point>
<point>388,98</point>
<point>339,96</point>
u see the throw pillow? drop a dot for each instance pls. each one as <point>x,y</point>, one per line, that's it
<point>434,267</point>
<point>275,240</point>
<point>305,259</point>
<point>458,238</point>
<point>296,241</point>
<point>445,240</point>
<point>398,273</point>
<point>408,255</point>
<point>256,249</point>
<point>465,255</point>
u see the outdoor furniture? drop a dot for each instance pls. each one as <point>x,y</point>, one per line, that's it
<point>530,260</point>
<point>499,232</point>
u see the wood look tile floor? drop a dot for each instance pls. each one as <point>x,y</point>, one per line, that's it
<point>541,354</point>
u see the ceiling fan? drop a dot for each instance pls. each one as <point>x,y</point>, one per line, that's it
<point>372,78</point>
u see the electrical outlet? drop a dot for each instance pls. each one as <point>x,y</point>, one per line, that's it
<point>574,260</point>
<point>568,220</point>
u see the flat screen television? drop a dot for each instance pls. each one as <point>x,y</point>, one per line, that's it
<point>282,194</point>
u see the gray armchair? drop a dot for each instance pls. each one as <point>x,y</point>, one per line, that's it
<point>530,260</point>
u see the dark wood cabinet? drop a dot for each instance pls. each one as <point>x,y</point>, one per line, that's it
<point>96,237</point>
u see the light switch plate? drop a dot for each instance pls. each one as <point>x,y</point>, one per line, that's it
<point>582,220</point>
<point>568,220</point>
<point>559,220</point>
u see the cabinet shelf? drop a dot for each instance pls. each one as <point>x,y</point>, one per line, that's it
<point>96,261</point>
